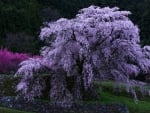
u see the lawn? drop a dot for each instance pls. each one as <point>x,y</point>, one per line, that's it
<point>106,96</point>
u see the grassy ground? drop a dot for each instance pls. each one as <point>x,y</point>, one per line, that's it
<point>143,106</point>
<point>7,110</point>
<point>107,96</point>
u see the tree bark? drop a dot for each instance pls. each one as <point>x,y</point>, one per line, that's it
<point>77,88</point>
<point>59,94</point>
<point>90,93</point>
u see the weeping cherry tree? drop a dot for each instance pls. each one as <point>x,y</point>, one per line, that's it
<point>98,43</point>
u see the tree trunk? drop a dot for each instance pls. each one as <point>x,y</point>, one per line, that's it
<point>90,93</point>
<point>65,91</point>
<point>77,89</point>
<point>59,94</point>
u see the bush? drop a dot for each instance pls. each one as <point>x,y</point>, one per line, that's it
<point>9,61</point>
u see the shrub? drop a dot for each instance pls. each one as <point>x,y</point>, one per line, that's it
<point>9,61</point>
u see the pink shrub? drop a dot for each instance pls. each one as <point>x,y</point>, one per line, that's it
<point>9,61</point>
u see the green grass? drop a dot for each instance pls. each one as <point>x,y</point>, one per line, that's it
<point>8,110</point>
<point>107,96</point>
<point>139,107</point>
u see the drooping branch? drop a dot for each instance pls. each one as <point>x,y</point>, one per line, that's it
<point>99,42</point>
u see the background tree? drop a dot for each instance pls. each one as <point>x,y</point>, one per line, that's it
<point>22,41</point>
<point>28,15</point>
<point>99,42</point>
<point>16,17</point>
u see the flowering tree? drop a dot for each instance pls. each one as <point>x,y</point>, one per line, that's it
<point>99,42</point>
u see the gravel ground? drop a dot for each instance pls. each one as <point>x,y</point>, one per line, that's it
<point>45,107</point>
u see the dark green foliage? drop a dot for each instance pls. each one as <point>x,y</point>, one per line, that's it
<point>8,85</point>
<point>19,15</point>
<point>21,41</point>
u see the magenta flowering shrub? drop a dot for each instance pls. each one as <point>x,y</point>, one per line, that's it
<point>9,61</point>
